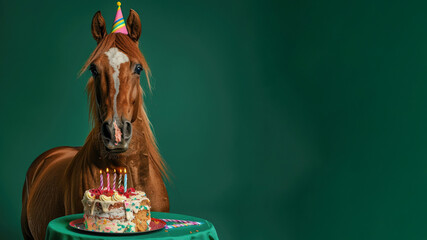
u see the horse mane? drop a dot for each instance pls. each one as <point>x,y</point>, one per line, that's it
<point>125,44</point>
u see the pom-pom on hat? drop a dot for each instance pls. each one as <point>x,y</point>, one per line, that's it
<point>119,23</point>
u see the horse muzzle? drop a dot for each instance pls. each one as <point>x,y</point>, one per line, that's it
<point>116,135</point>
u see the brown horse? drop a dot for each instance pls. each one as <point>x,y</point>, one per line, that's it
<point>121,137</point>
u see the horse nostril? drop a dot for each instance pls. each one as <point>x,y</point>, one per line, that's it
<point>105,130</point>
<point>127,130</point>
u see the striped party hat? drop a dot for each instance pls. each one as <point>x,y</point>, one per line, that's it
<point>119,23</point>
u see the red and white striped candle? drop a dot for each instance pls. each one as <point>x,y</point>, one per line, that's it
<point>114,180</point>
<point>108,180</point>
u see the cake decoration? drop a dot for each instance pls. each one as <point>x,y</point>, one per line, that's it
<point>120,177</point>
<point>112,185</point>
<point>108,179</point>
<point>101,180</point>
<point>114,180</point>
<point>125,184</point>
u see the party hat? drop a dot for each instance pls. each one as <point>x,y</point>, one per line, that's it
<point>119,23</point>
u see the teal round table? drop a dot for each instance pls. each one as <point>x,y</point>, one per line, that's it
<point>58,229</point>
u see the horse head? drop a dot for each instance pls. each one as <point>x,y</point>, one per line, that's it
<point>116,66</point>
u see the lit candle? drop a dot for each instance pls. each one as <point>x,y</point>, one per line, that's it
<point>108,180</point>
<point>114,180</point>
<point>101,180</point>
<point>126,181</point>
<point>120,179</point>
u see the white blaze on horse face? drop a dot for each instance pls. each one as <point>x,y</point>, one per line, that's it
<point>115,57</point>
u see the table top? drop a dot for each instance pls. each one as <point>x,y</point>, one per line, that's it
<point>59,229</point>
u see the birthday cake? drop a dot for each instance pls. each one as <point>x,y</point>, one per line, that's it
<point>116,210</point>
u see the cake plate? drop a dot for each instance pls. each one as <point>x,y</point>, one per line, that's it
<point>155,225</point>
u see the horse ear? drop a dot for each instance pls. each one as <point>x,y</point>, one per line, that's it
<point>98,27</point>
<point>133,25</point>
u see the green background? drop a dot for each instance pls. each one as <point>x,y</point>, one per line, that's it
<point>278,119</point>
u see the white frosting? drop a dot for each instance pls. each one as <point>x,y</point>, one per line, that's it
<point>89,195</point>
<point>118,197</point>
<point>104,198</point>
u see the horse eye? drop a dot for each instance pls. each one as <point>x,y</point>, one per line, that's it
<point>93,70</point>
<point>138,69</point>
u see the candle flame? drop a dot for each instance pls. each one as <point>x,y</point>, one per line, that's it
<point>120,170</point>
<point>100,171</point>
<point>107,170</point>
<point>114,170</point>
<point>125,170</point>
